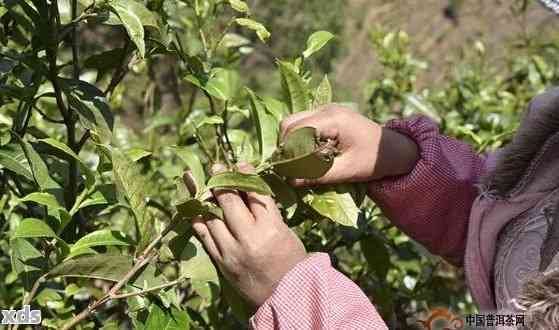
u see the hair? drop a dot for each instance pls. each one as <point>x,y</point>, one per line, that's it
<point>539,300</point>
<point>540,122</point>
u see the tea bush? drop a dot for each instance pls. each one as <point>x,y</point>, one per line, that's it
<point>94,212</point>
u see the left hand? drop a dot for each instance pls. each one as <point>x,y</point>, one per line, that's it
<point>252,246</point>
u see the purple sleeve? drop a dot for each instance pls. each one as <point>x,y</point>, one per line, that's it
<point>314,295</point>
<point>432,204</point>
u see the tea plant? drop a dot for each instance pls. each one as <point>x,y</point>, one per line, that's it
<point>96,221</point>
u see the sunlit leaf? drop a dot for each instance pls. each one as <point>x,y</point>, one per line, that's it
<point>134,16</point>
<point>239,181</point>
<point>13,158</point>
<point>294,88</point>
<point>316,41</point>
<point>100,238</point>
<point>323,93</point>
<point>266,127</point>
<point>135,154</point>
<point>257,27</point>
<point>336,205</point>
<point>29,228</point>
<point>42,198</point>
<point>102,266</point>
<point>239,6</point>
<point>168,319</point>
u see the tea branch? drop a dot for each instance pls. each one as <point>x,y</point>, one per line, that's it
<point>227,141</point>
<point>155,288</point>
<point>219,132</point>
<point>145,258</point>
<point>47,118</point>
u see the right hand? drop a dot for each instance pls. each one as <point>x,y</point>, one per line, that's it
<point>368,151</point>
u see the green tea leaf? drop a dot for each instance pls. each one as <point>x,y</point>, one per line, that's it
<point>284,194</point>
<point>65,149</point>
<point>30,227</point>
<point>298,143</point>
<point>210,120</point>
<point>42,198</point>
<point>239,181</point>
<point>336,205</point>
<point>103,194</point>
<point>316,41</point>
<point>102,266</point>
<point>196,263</point>
<point>222,84</point>
<point>38,167</point>
<point>91,105</point>
<point>239,306</point>
<point>277,108</point>
<point>13,158</point>
<point>239,6</point>
<point>260,29</point>
<point>193,163</point>
<point>131,14</point>
<point>299,156</point>
<point>294,88</point>
<point>191,208</point>
<point>376,254</point>
<point>323,93</point>
<point>101,238</point>
<point>266,127</point>
<point>79,252</point>
<point>169,319</point>
<point>135,154</point>
<point>27,262</point>
<point>130,183</point>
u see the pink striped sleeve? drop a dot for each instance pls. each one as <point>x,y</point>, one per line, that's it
<point>313,295</point>
<point>432,204</point>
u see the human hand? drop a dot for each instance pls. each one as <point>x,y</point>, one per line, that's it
<point>252,246</point>
<point>367,151</point>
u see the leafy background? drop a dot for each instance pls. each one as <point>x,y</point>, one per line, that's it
<point>104,104</point>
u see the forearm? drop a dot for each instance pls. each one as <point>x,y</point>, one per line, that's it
<point>314,295</point>
<point>397,155</point>
<point>432,202</point>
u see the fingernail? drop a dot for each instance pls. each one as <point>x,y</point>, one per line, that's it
<point>246,168</point>
<point>188,180</point>
<point>218,168</point>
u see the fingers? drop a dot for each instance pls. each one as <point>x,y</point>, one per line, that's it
<point>236,213</point>
<point>206,238</point>
<point>188,180</point>
<point>325,120</point>
<point>221,235</point>
<point>292,119</point>
<point>261,206</point>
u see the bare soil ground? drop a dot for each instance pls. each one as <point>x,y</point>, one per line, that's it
<point>435,38</point>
